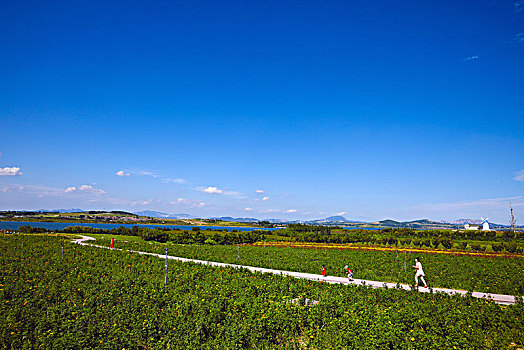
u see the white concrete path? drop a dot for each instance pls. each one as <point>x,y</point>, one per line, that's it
<point>498,298</point>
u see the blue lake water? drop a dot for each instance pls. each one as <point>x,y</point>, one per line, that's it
<point>14,225</point>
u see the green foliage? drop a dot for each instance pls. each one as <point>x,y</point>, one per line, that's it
<point>494,274</point>
<point>98,298</point>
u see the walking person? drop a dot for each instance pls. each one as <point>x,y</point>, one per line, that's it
<point>350,273</point>
<point>419,272</point>
<point>324,271</point>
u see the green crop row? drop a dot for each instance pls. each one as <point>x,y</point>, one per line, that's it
<point>110,299</point>
<point>501,275</point>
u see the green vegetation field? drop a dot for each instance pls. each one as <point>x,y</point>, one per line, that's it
<point>502,275</point>
<point>98,298</point>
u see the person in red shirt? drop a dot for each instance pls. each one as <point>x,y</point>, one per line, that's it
<point>350,273</point>
<point>324,271</point>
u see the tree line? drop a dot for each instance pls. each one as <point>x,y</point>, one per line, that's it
<point>176,235</point>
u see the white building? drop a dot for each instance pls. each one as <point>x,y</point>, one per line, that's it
<point>484,227</point>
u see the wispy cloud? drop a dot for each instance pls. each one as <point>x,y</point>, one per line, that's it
<point>147,173</point>
<point>289,211</point>
<point>519,176</point>
<point>270,211</point>
<point>145,202</point>
<point>10,171</point>
<point>179,201</point>
<point>470,58</point>
<point>518,6</point>
<point>35,190</point>
<point>163,179</point>
<point>484,203</point>
<point>519,39</point>
<point>173,181</point>
<point>341,213</point>
<point>191,203</point>
<point>248,209</point>
<point>84,189</point>
<point>259,191</point>
<point>265,199</point>
<point>122,173</point>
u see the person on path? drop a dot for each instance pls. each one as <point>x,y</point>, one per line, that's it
<point>324,271</point>
<point>419,272</point>
<point>350,273</point>
<point>112,242</point>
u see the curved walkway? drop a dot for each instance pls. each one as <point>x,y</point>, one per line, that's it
<point>498,298</point>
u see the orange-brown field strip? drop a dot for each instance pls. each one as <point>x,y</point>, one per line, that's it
<point>310,245</point>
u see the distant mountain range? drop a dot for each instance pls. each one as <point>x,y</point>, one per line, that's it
<point>464,221</point>
<point>336,220</point>
<point>229,218</point>
<point>73,210</point>
<point>161,215</point>
<point>331,220</point>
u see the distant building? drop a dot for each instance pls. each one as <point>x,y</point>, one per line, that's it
<point>483,227</point>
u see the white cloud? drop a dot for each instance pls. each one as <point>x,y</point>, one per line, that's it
<point>179,201</point>
<point>248,209</point>
<point>265,199</point>
<point>470,58</point>
<point>147,173</point>
<point>518,6</point>
<point>519,38</point>
<point>192,203</point>
<point>270,211</point>
<point>291,211</point>
<point>13,171</point>
<point>341,213</point>
<point>216,190</point>
<point>39,191</point>
<point>198,204</point>
<point>519,176</point>
<point>259,191</point>
<point>166,180</point>
<point>212,190</point>
<point>145,202</point>
<point>173,181</point>
<point>85,189</point>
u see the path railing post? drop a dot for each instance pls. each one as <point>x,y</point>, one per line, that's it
<point>165,271</point>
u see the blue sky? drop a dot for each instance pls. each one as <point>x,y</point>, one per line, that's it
<point>293,110</point>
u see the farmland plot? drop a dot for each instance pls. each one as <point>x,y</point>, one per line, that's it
<point>501,275</point>
<point>98,298</point>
